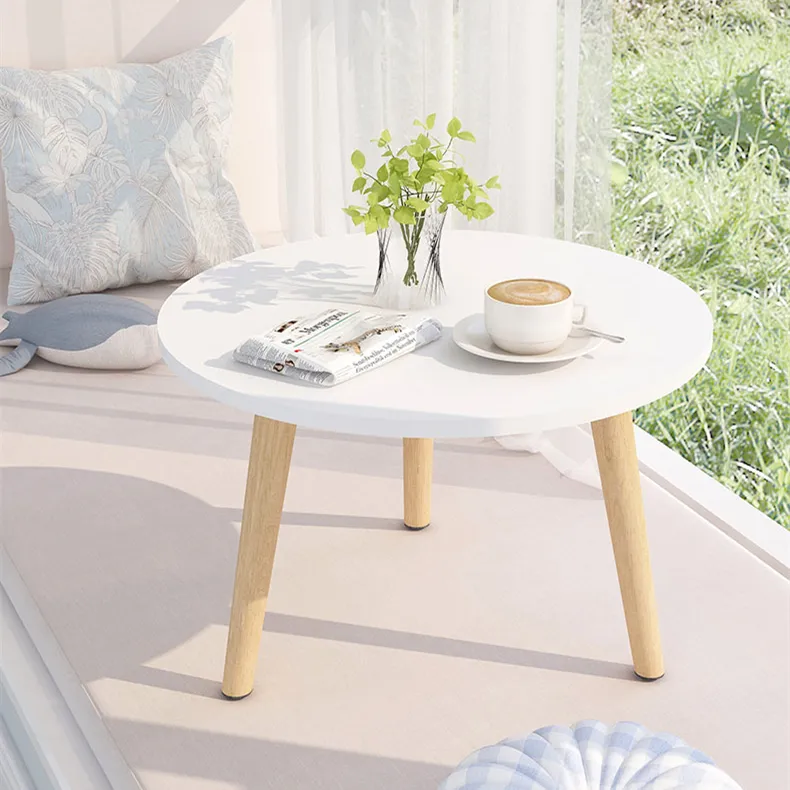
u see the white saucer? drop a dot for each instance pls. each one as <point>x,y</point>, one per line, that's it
<point>470,334</point>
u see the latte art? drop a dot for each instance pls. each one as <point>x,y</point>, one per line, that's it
<point>528,315</point>
<point>529,292</point>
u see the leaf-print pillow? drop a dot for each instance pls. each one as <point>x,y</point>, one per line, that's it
<point>116,175</point>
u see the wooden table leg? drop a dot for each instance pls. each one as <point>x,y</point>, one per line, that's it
<point>417,474</point>
<point>267,477</point>
<point>615,448</point>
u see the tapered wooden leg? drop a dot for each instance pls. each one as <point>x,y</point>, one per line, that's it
<point>615,448</point>
<point>267,476</point>
<point>417,473</point>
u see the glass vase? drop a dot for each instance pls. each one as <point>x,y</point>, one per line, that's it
<point>410,272</point>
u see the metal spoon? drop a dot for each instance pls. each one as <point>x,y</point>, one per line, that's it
<point>598,333</point>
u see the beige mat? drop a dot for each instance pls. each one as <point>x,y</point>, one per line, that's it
<point>387,655</point>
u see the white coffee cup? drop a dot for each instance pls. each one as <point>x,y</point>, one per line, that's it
<point>529,315</point>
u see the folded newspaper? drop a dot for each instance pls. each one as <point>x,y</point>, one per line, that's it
<point>337,345</point>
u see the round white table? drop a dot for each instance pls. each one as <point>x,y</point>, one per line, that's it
<point>438,391</point>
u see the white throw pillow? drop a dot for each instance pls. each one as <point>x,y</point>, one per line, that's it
<point>115,175</point>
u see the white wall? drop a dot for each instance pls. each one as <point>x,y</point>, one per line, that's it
<point>51,34</point>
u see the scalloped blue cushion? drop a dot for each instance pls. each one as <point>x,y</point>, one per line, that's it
<point>590,755</point>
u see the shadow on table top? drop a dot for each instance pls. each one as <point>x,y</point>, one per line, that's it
<point>239,285</point>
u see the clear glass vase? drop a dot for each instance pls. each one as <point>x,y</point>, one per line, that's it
<point>410,272</point>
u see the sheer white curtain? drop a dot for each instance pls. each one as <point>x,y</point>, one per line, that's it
<point>531,79</point>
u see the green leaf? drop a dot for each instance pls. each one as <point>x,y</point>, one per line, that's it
<point>352,211</point>
<point>394,182</point>
<point>454,127</point>
<point>359,184</point>
<point>483,211</point>
<point>453,191</point>
<point>468,136</point>
<point>382,174</point>
<point>376,212</point>
<point>358,219</point>
<point>382,216</point>
<point>418,203</point>
<point>400,165</point>
<point>432,165</point>
<point>414,150</point>
<point>418,122</point>
<point>431,120</point>
<point>493,183</point>
<point>378,192</point>
<point>358,159</point>
<point>371,226</point>
<point>424,141</point>
<point>404,215</point>
<point>423,177</point>
<point>386,136</point>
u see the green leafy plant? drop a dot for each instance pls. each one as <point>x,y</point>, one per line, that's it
<point>422,174</point>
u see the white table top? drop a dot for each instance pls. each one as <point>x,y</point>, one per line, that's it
<point>440,390</point>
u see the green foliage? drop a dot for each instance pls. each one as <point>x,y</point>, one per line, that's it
<point>701,188</point>
<point>410,180</point>
<point>643,26</point>
<point>745,114</point>
<point>750,114</point>
<point>421,173</point>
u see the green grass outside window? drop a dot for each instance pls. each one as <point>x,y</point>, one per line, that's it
<point>702,190</point>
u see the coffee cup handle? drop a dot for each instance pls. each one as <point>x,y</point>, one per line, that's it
<point>579,313</point>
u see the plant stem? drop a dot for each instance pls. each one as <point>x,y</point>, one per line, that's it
<point>411,240</point>
<point>410,276</point>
